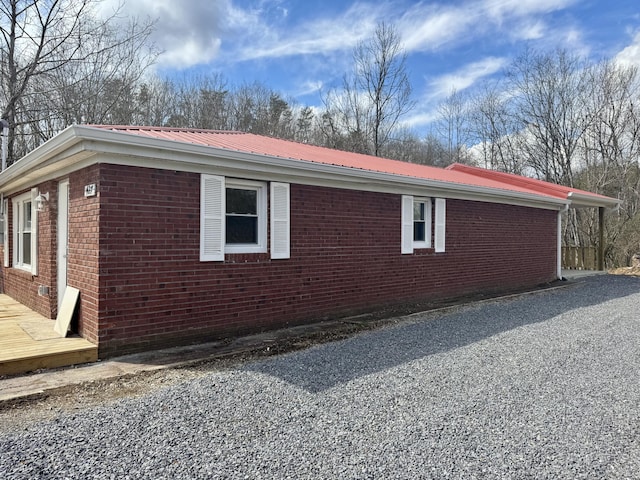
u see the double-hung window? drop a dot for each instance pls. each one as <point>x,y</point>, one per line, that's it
<point>421,223</point>
<point>25,233</point>
<point>245,217</point>
<point>233,217</point>
<point>417,222</point>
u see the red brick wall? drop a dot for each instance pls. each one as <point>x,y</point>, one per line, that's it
<point>345,257</point>
<point>22,285</point>
<point>83,249</point>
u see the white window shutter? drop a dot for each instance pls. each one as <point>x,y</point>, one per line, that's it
<point>441,221</point>
<point>5,214</point>
<point>280,220</point>
<point>34,232</point>
<point>428,221</point>
<point>407,224</point>
<point>212,218</point>
<point>15,214</point>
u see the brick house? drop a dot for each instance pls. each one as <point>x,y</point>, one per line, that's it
<point>182,235</point>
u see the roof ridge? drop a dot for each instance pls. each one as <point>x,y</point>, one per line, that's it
<point>165,129</point>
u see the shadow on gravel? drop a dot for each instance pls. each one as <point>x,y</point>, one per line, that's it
<point>336,363</point>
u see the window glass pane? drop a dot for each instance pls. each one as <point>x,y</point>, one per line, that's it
<point>419,231</point>
<point>27,216</point>
<point>26,249</point>
<point>418,210</point>
<point>241,201</point>
<point>241,229</point>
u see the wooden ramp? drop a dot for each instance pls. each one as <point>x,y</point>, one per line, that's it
<point>28,341</point>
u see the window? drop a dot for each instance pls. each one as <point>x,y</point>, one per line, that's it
<point>421,223</point>
<point>417,224</point>
<point>233,218</point>
<point>241,224</point>
<point>25,232</point>
<point>245,217</point>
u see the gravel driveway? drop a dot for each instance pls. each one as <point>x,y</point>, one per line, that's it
<point>545,385</point>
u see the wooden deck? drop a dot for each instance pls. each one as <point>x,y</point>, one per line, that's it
<point>28,342</point>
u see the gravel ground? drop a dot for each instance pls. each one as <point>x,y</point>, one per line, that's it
<point>539,386</point>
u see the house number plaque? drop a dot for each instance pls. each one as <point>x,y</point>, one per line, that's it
<point>90,190</point>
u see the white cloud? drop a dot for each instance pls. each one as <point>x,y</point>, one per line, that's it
<point>309,87</point>
<point>464,78</point>
<point>319,36</point>
<point>198,32</point>
<point>430,27</point>
<point>530,31</point>
<point>438,89</point>
<point>498,9</point>
<point>630,55</point>
<point>421,118</point>
<point>192,32</point>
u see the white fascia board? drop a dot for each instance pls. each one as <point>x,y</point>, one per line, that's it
<point>579,200</point>
<point>79,146</point>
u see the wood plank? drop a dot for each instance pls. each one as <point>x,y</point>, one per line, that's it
<point>65,314</point>
<point>20,352</point>
<point>51,360</point>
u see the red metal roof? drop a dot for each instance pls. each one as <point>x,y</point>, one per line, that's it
<point>274,147</point>
<point>553,189</point>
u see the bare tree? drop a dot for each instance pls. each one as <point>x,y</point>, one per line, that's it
<point>258,109</point>
<point>380,72</point>
<point>155,102</point>
<point>43,38</point>
<point>493,130</point>
<point>198,101</point>
<point>611,154</point>
<point>452,125</point>
<point>551,110</point>
<point>374,97</point>
<point>345,121</point>
<point>408,147</point>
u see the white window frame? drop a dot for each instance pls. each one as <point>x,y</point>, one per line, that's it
<point>261,209</point>
<point>18,232</point>
<point>427,223</point>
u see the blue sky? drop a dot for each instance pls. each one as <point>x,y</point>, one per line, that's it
<point>302,47</point>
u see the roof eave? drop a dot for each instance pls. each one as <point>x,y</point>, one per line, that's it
<point>20,172</point>
<point>580,200</point>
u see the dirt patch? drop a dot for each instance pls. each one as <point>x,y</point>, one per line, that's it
<point>633,271</point>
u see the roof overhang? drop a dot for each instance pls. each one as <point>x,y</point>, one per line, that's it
<point>575,198</point>
<point>579,200</point>
<point>79,146</point>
